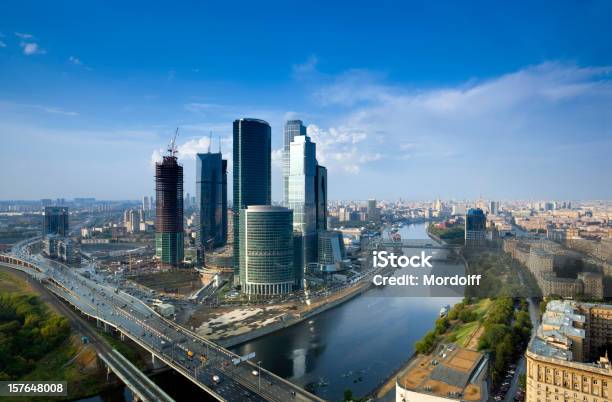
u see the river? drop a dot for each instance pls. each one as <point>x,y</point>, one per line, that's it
<point>356,345</point>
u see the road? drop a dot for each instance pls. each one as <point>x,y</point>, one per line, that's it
<point>191,355</point>
<point>140,384</point>
<point>534,313</point>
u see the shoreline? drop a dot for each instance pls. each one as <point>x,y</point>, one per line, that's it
<point>269,329</point>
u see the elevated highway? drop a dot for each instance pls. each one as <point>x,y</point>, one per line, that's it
<point>213,368</point>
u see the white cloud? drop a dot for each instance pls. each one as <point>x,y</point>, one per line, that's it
<point>520,118</point>
<point>55,110</point>
<point>23,35</point>
<point>75,61</point>
<point>32,48</point>
<point>277,158</point>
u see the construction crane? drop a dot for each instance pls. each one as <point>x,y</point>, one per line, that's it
<point>172,150</point>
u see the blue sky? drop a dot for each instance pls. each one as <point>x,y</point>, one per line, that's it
<point>508,100</point>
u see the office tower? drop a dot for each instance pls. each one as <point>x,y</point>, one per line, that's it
<point>321,197</point>
<point>302,190</point>
<point>55,221</point>
<point>331,251</point>
<point>145,203</point>
<point>169,247</point>
<point>494,207</point>
<point>266,250</point>
<point>475,228</point>
<point>252,172</point>
<point>372,211</point>
<point>293,128</point>
<point>211,202</point>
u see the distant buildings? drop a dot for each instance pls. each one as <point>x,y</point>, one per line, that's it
<point>62,249</point>
<point>567,360</point>
<point>475,228</point>
<point>252,174</point>
<point>169,237</point>
<point>542,257</point>
<point>211,200</point>
<point>266,250</point>
<point>55,221</point>
<point>132,220</point>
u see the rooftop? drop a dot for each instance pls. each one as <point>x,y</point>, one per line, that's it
<point>450,372</point>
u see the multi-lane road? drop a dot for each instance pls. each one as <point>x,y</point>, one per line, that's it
<point>210,366</point>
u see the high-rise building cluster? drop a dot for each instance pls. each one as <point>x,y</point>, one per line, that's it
<point>272,246</point>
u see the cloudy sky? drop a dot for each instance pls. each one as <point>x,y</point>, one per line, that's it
<point>404,99</point>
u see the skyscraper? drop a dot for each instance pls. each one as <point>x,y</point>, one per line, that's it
<point>475,228</point>
<point>373,211</point>
<point>145,203</point>
<point>169,243</point>
<point>302,191</point>
<point>321,197</point>
<point>55,221</point>
<point>252,172</point>
<point>211,202</point>
<point>293,128</point>
<point>266,250</point>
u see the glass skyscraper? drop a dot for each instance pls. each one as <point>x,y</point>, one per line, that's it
<point>302,192</point>
<point>211,200</point>
<point>293,128</point>
<point>321,197</point>
<point>169,238</point>
<point>55,221</point>
<point>266,250</point>
<point>475,228</point>
<point>252,172</point>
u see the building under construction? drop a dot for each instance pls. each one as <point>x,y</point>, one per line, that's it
<point>169,247</point>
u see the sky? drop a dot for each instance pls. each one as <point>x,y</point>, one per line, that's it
<point>406,99</point>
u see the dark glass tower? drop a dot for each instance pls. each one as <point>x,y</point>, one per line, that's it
<point>321,197</point>
<point>475,228</point>
<point>55,221</point>
<point>252,173</point>
<point>211,199</point>
<point>169,246</point>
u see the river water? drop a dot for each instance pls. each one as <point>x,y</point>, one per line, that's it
<point>355,346</point>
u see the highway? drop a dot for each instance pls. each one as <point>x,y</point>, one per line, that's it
<point>208,365</point>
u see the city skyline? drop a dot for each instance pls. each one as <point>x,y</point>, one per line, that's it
<point>522,112</point>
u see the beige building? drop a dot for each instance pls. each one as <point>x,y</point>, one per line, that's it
<point>563,362</point>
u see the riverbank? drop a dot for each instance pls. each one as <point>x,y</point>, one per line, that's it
<point>277,326</point>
